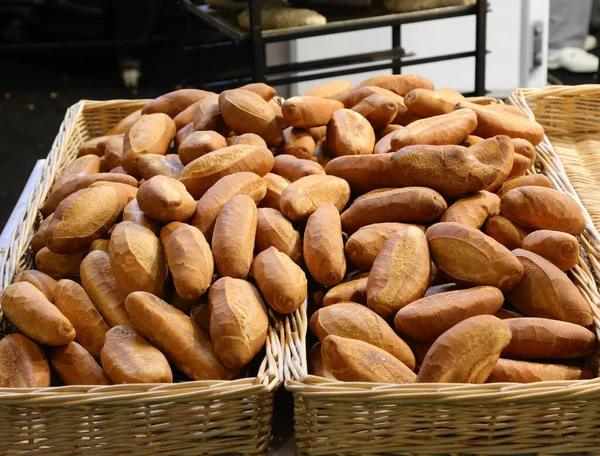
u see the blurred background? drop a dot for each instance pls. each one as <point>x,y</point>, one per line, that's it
<point>54,53</point>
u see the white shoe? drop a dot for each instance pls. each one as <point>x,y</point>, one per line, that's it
<point>575,60</point>
<point>590,43</point>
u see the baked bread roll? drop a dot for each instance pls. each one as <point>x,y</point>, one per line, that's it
<point>75,366</point>
<point>505,231</point>
<point>41,281</point>
<point>125,123</point>
<point>23,363</point>
<point>173,103</point>
<point>298,142</point>
<point>133,213</point>
<point>351,291</point>
<point>533,180</point>
<point>349,133</point>
<point>511,371</point>
<point>364,172</point>
<point>88,164</point>
<point>151,165</point>
<point>165,199</point>
<point>499,153</point>
<point>200,143</point>
<point>292,168</point>
<point>274,230</point>
<point>400,84</point>
<point>57,265</point>
<point>560,249</point>
<point>309,111</point>
<point>473,210</point>
<point>275,186</point>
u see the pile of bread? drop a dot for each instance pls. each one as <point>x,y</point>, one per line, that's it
<point>406,212</point>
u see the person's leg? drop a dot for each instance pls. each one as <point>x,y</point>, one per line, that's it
<point>569,23</point>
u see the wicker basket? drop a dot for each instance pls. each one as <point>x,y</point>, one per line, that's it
<point>199,417</point>
<point>333,417</point>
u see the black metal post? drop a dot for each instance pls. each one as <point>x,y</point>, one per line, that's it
<point>258,46</point>
<point>396,44</point>
<point>480,51</point>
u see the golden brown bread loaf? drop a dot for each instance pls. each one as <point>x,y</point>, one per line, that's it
<point>75,366</point>
<point>275,185</point>
<point>535,180</point>
<point>308,111</point>
<point>497,152</point>
<point>173,103</point>
<point>560,249</point>
<point>511,371</point>
<point>467,352</point>
<point>349,133</point>
<point>208,116</point>
<point>188,115</point>
<point>520,166</point>
<point>365,244</point>
<point>351,360</point>
<point>38,241</point>
<point>506,108</point>
<point>473,210</point>
<point>384,145</point>
<point>379,110</point>
<point>30,312</point>
<point>547,292</point>
<point>234,235</point>
<point>88,164</point>
<point>380,133</point>
<point>355,321</point>
<point>59,266</point>
<point>167,230</point>
<point>274,230</point>
<point>471,140</point>
<point>22,363</point>
<point>80,182</point>
<point>137,259</point>
<point>190,261</point>
<point>470,257</point>
<point>364,172</point>
<point>298,142</point>
<point>446,129</point>
<point>95,146</point>
<point>359,94</point>
<point>329,89</point>
<point>133,213</point>
<point>265,91</point>
<point>403,205</point>
<point>525,148</point>
<point>251,139</point>
<point>151,165</point>
<point>427,103</point>
<point>238,321</point>
<point>84,217</point>
<point>492,122</point>
<point>302,197</point>
<point>324,246</point>
<point>211,203</point>
<point>542,338</point>
<point>150,134</point>
<point>247,112</point>
<point>165,199</point>
<point>200,314</point>
<point>399,83</point>
<point>100,283</point>
<point>124,124</point>
<point>201,174</point>
<point>292,168</point>
<point>38,279</point>
<point>543,209</point>
<point>351,291</point>
<point>200,143</point>
<point>451,170</point>
<point>75,304</point>
<point>99,244</point>
<point>129,358</point>
<point>425,319</point>
<point>125,191</point>
<point>400,273</point>
<point>189,348</point>
<point>113,152</point>
<point>281,282</point>
<point>506,232</point>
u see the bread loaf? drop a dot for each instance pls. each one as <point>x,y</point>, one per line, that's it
<point>99,244</point>
<point>351,360</point>
<point>113,153</point>
<point>399,83</point>
<point>88,164</point>
<point>404,205</point>
<point>238,322</point>
<point>173,103</point>
<point>165,199</point>
<point>137,259</point>
<point>59,266</point>
<point>302,197</point>
<point>30,312</point>
<point>547,292</point>
<point>129,358</point>
<point>520,166</point>
<point>24,364</point>
<point>125,191</point>
<point>75,304</point>
<point>250,139</point>
<point>100,284</point>
<point>349,133</point>
<point>355,321</point>
<point>400,273</point>
<point>275,186</point>
<point>211,203</point>
<point>208,116</point>
<point>560,249</point>
<point>233,237</point>
<point>41,281</point>
<point>425,319</point>
<point>467,352</point>
<point>525,148</point>
<point>351,291</point>
<point>190,261</point>
<point>281,282</point>
<point>200,314</point>
<point>511,371</point>
<point>365,244</point>
<point>427,103</point>
<point>133,213</point>
<point>534,180</point>
<point>473,210</point>
<point>292,168</point>
<point>150,134</point>
<point>384,145</point>
<point>151,165</point>
<point>499,153</point>
<point>75,366</point>
<point>38,241</point>
<point>329,89</point>
<point>506,232</point>
<point>364,172</point>
<point>83,217</point>
<point>125,123</point>
<point>324,246</point>
<point>247,112</point>
<point>274,230</point>
<point>201,174</point>
<point>94,146</point>
<point>308,112</point>
<point>471,140</point>
<point>379,110</point>
<point>189,348</point>
<point>543,208</point>
<point>188,115</point>
<point>298,142</point>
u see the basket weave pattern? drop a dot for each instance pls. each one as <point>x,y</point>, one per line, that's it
<point>333,417</point>
<point>198,417</point>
